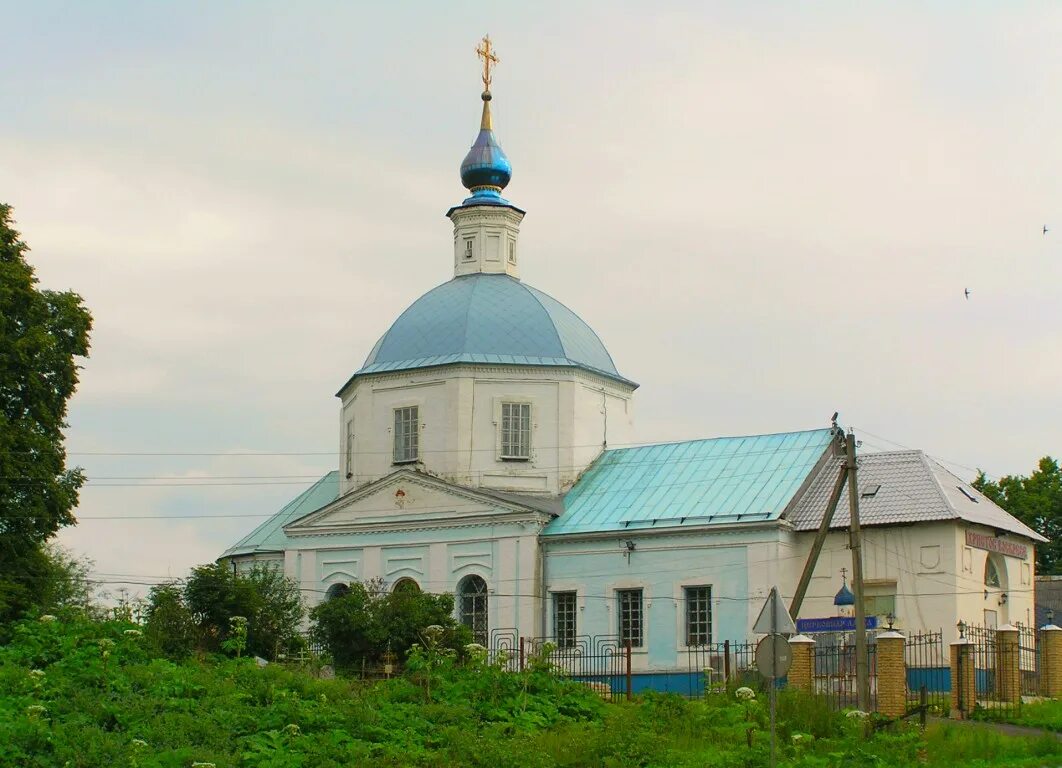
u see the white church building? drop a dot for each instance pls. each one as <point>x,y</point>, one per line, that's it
<point>486,448</point>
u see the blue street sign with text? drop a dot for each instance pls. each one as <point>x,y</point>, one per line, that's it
<point>833,624</point>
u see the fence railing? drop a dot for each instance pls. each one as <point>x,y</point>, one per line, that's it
<point>928,667</point>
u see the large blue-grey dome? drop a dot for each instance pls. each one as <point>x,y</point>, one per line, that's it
<point>489,318</point>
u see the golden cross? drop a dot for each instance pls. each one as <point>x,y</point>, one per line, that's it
<point>485,51</point>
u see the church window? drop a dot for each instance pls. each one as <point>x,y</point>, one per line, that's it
<point>337,590</point>
<point>516,431</point>
<point>350,448</point>
<point>698,615</point>
<point>630,617</point>
<point>473,607</point>
<point>406,586</point>
<point>564,619</point>
<point>407,441</point>
<point>991,573</point>
<point>468,248</point>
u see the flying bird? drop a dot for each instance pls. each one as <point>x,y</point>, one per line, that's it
<point>967,292</point>
<point>1045,229</point>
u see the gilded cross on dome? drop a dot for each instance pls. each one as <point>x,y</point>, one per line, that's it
<point>485,51</point>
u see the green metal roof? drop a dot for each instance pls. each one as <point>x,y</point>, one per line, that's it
<point>270,536</point>
<point>700,482</point>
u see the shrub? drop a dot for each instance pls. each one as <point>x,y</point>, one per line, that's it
<point>364,624</point>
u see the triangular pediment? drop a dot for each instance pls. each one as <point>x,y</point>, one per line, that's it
<point>406,499</point>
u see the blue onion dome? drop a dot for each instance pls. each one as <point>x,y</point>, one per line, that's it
<point>844,596</point>
<point>490,319</point>
<point>486,171</point>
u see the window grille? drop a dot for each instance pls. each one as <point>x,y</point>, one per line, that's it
<point>564,629</point>
<point>350,448</point>
<point>516,431</point>
<point>698,615</point>
<point>473,592</point>
<point>406,434</point>
<point>630,617</point>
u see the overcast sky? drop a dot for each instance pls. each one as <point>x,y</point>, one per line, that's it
<point>767,212</point>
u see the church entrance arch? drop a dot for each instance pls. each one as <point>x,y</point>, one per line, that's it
<point>472,606</point>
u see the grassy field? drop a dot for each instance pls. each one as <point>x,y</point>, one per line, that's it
<point>77,693</point>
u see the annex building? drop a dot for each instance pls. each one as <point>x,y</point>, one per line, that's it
<point>486,448</point>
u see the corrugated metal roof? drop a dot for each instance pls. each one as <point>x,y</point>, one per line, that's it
<point>491,319</point>
<point>270,536</point>
<point>699,482</point>
<point>913,488</point>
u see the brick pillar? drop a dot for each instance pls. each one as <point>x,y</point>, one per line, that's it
<point>1051,660</point>
<point>892,674</point>
<point>803,667</point>
<point>1008,659</point>
<point>963,690</point>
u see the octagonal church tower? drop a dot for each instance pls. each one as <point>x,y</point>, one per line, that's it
<point>484,381</point>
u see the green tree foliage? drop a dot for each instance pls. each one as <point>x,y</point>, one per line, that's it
<point>366,622</point>
<point>41,334</point>
<point>168,622</point>
<point>1036,500</point>
<point>268,599</point>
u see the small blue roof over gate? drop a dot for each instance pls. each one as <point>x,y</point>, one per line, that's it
<point>699,482</point>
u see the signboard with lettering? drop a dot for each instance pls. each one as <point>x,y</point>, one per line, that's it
<point>833,624</point>
<point>995,544</point>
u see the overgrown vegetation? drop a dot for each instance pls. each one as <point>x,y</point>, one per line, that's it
<point>76,692</point>
<point>203,612</point>
<point>368,622</point>
<point>1046,715</point>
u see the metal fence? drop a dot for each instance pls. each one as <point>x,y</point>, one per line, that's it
<point>834,670</point>
<point>601,662</point>
<point>710,667</point>
<point>998,693</point>
<point>928,672</point>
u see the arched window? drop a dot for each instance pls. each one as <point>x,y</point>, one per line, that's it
<point>337,590</point>
<point>472,606</point>
<point>991,573</point>
<point>407,585</point>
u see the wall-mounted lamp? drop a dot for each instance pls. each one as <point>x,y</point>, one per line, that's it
<point>1003,599</point>
<point>962,629</point>
<point>890,619</point>
<point>630,545</point>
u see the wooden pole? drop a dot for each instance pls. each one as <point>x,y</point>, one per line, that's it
<point>855,543</point>
<point>816,547</point>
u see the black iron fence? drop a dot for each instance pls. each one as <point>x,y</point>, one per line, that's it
<point>713,667</point>
<point>601,662</point>
<point>928,672</point>
<point>1004,673</point>
<point>834,665</point>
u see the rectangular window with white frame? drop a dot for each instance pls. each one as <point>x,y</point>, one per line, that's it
<point>407,434</point>
<point>698,615</point>
<point>564,619</point>
<point>516,431</point>
<point>631,617</point>
<point>350,448</point>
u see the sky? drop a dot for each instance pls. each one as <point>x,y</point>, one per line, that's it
<point>768,211</point>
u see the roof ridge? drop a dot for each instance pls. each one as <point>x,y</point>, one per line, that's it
<point>942,497</point>
<point>720,437</point>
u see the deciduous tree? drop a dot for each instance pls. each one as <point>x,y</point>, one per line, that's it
<point>42,333</point>
<point>1036,500</point>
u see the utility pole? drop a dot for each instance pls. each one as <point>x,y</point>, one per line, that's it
<point>855,543</point>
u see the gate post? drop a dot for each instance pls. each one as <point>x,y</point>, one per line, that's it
<point>963,690</point>
<point>1008,663</point>
<point>1051,660</point>
<point>892,675</point>
<point>801,673</point>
